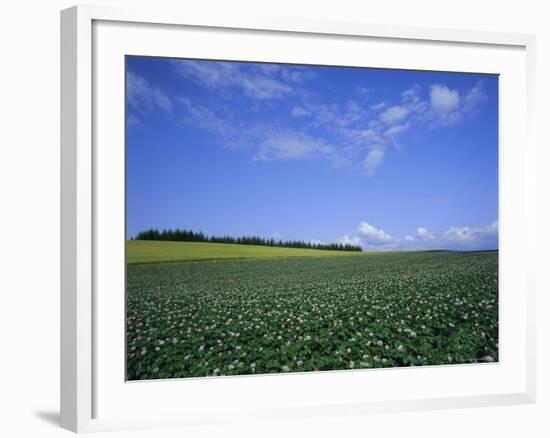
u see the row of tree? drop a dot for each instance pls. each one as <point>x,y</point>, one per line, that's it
<point>178,235</point>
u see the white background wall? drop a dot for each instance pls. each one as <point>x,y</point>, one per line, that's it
<point>29,216</point>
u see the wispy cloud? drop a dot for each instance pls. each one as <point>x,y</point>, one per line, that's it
<point>267,143</point>
<point>394,114</point>
<point>255,80</point>
<point>378,106</point>
<point>296,146</point>
<point>206,118</point>
<point>373,160</point>
<point>144,97</point>
<point>394,130</point>
<point>342,131</point>
<point>298,111</point>
<point>475,97</point>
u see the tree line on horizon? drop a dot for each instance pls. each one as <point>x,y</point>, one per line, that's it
<point>178,235</point>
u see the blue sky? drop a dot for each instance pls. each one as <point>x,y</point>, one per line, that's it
<point>388,159</point>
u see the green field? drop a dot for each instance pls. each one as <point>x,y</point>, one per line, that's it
<point>272,313</point>
<point>148,251</point>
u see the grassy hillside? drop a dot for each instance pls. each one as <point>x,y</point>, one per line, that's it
<point>147,251</point>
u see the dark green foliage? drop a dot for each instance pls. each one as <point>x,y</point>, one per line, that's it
<point>178,235</point>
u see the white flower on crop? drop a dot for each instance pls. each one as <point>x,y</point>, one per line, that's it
<point>201,348</point>
<point>400,348</point>
<point>175,340</point>
<point>488,359</point>
<point>231,367</point>
<point>349,350</point>
<point>157,348</point>
<point>155,370</point>
<point>237,347</point>
<point>379,343</point>
<point>161,342</point>
<point>299,363</point>
<point>351,364</point>
<point>413,334</point>
<point>216,371</point>
<point>307,338</point>
<point>286,369</point>
<point>450,358</point>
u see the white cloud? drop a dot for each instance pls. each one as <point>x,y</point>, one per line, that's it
<point>378,106</point>
<point>132,120</point>
<point>461,234</point>
<point>208,73</point>
<point>454,238</point>
<point>298,111</point>
<point>394,114</point>
<point>443,100</point>
<point>423,233</point>
<point>462,238</point>
<point>373,160</point>
<point>370,135</point>
<point>296,146</point>
<point>474,97</point>
<point>357,133</point>
<point>372,235</point>
<point>296,75</point>
<point>264,88</point>
<point>269,68</point>
<point>469,234</point>
<point>256,82</point>
<point>205,118</point>
<point>365,91</point>
<point>144,97</point>
<point>347,240</point>
<point>411,95</point>
<point>394,130</point>
<point>448,107</point>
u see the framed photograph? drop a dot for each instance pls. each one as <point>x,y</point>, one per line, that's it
<point>290,218</point>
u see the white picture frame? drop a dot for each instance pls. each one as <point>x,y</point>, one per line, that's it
<point>86,380</point>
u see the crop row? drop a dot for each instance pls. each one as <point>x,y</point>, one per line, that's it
<point>212,318</point>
